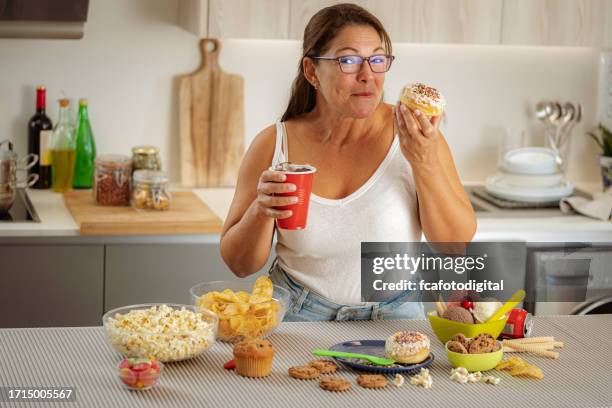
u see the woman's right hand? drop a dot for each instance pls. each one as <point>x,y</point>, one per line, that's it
<point>270,183</point>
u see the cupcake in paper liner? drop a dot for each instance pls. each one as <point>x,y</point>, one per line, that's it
<point>253,357</point>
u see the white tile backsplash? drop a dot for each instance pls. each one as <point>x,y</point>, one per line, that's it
<point>133,53</point>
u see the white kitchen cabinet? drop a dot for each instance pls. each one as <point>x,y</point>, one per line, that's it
<point>420,21</point>
<point>51,285</point>
<point>193,16</point>
<point>143,273</point>
<point>235,18</point>
<point>513,22</point>
<point>557,22</point>
<point>248,18</point>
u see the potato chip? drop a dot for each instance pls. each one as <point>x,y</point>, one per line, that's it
<point>242,314</point>
<point>520,368</point>
<point>264,287</point>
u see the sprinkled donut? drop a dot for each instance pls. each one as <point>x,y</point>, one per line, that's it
<point>424,98</point>
<point>407,347</point>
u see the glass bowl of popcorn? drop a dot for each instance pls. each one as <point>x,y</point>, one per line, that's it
<point>246,309</point>
<point>165,331</point>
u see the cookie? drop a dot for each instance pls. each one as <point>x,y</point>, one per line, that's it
<point>372,381</point>
<point>456,347</point>
<point>334,384</point>
<point>483,343</point>
<point>304,372</point>
<point>460,337</point>
<point>324,366</point>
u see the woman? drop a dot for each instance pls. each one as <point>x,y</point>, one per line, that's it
<point>384,173</point>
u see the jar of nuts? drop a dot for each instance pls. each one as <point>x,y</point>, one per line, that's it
<point>112,179</point>
<point>150,190</point>
<point>145,158</point>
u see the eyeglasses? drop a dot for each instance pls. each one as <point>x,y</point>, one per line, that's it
<point>351,64</point>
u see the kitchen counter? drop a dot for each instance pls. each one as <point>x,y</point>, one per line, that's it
<point>79,357</point>
<point>56,222</point>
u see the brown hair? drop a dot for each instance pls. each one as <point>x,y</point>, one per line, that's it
<point>319,32</point>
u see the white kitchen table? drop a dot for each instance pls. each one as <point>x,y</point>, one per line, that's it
<point>80,357</point>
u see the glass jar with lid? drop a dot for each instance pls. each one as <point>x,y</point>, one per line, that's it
<point>112,179</point>
<point>145,158</point>
<point>150,190</point>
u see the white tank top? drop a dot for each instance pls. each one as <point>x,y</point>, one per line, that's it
<point>326,256</point>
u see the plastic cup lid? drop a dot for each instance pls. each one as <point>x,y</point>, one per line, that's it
<point>287,167</point>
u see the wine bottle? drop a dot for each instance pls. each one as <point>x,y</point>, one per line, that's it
<point>85,149</point>
<point>39,140</point>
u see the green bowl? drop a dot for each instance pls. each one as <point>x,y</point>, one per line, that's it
<point>445,329</point>
<point>475,362</point>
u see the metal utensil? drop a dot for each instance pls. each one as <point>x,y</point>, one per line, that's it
<point>568,113</point>
<point>551,113</point>
<point>372,359</point>
<point>9,166</point>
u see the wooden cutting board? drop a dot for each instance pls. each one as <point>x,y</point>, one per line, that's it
<point>187,215</point>
<point>211,122</point>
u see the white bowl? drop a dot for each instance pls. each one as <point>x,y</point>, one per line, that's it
<point>531,160</point>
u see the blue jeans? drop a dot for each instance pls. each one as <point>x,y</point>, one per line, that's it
<point>306,305</point>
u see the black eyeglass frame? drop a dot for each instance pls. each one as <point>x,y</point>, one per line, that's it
<point>337,59</point>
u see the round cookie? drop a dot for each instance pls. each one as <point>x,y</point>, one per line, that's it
<point>460,337</point>
<point>372,381</point>
<point>483,343</point>
<point>304,372</point>
<point>456,347</point>
<point>334,384</point>
<point>324,366</point>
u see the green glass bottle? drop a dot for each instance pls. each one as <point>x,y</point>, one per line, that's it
<point>85,149</point>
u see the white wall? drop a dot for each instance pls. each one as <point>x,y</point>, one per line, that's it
<point>126,64</point>
<point>133,53</point>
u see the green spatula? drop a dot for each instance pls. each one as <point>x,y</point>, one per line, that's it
<point>372,359</point>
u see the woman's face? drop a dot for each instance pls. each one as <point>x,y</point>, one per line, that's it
<point>351,94</point>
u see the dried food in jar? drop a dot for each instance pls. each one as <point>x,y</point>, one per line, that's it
<point>112,180</point>
<point>150,191</point>
<point>146,158</point>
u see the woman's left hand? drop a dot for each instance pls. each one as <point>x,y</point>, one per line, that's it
<point>418,136</point>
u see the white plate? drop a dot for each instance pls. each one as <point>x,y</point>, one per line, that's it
<point>496,186</point>
<point>530,180</point>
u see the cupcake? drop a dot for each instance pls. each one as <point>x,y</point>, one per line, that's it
<point>424,98</point>
<point>253,358</point>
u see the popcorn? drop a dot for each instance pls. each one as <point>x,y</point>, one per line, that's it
<point>459,374</point>
<point>423,379</point>
<point>462,376</point>
<point>474,377</point>
<point>398,380</point>
<point>163,332</point>
<point>489,379</point>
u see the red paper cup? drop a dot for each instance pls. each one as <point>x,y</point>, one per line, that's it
<point>301,175</point>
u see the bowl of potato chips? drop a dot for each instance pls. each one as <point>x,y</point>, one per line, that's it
<point>246,309</point>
